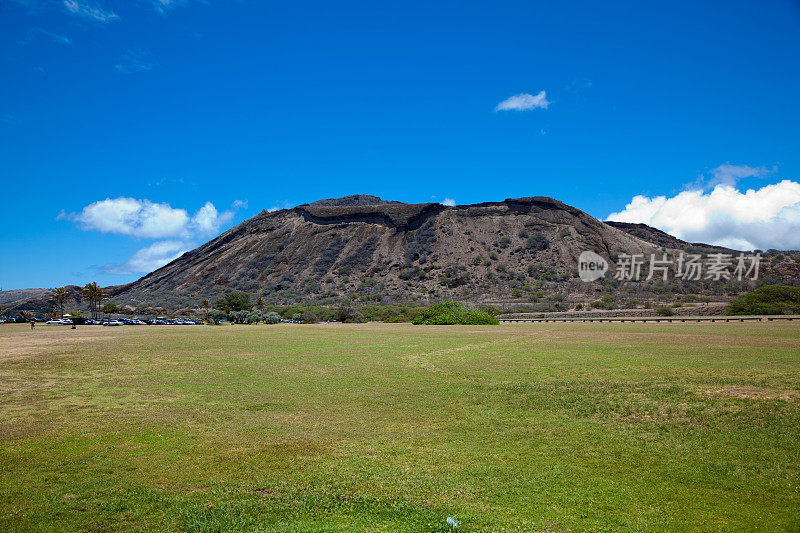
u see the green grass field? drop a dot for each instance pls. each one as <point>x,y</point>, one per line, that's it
<point>549,427</point>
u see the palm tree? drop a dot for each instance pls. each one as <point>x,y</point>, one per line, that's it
<point>59,296</point>
<point>93,293</point>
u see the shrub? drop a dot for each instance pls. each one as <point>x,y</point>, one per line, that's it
<point>408,273</point>
<point>238,317</point>
<point>215,315</point>
<point>490,309</point>
<point>767,300</point>
<point>252,317</point>
<point>271,318</point>
<point>348,314</point>
<point>454,276</point>
<point>606,302</point>
<point>537,242</point>
<point>453,313</point>
<point>664,310</point>
<point>308,317</point>
<point>234,301</point>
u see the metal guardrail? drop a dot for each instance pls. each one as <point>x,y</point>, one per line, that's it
<point>600,320</point>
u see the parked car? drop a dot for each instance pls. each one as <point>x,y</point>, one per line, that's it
<point>113,323</point>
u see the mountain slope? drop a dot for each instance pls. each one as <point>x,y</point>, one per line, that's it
<point>363,249</point>
<point>366,249</point>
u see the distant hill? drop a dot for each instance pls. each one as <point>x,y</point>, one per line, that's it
<point>363,249</point>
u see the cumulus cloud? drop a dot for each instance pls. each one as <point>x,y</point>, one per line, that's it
<point>449,202</point>
<point>524,102</point>
<point>149,258</point>
<point>129,216</point>
<point>763,218</point>
<point>149,220</point>
<point>91,11</point>
<point>207,220</point>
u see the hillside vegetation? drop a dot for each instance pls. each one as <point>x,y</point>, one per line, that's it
<point>768,300</point>
<point>454,313</point>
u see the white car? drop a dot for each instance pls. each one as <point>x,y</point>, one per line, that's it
<point>60,322</point>
<point>113,323</point>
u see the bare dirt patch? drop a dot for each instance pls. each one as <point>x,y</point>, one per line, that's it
<point>755,393</point>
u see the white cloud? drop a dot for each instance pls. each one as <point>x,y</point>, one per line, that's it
<point>240,204</point>
<point>448,202</point>
<point>524,102</point>
<point>163,5</point>
<point>149,258</point>
<point>87,10</point>
<point>207,220</point>
<point>137,218</point>
<point>763,218</point>
<point>41,33</point>
<point>92,8</point>
<point>280,205</point>
<point>727,174</point>
<point>149,220</point>
<point>145,219</point>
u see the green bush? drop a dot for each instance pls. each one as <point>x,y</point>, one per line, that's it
<point>309,317</point>
<point>664,310</point>
<point>453,313</point>
<point>606,302</point>
<point>348,314</point>
<point>490,309</point>
<point>271,318</point>
<point>234,301</point>
<point>767,300</point>
<point>537,242</point>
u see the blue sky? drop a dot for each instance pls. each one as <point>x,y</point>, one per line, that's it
<point>254,105</point>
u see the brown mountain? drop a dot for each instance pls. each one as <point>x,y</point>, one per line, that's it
<point>364,249</point>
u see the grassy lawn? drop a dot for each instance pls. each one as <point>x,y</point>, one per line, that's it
<point>553,427</point>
